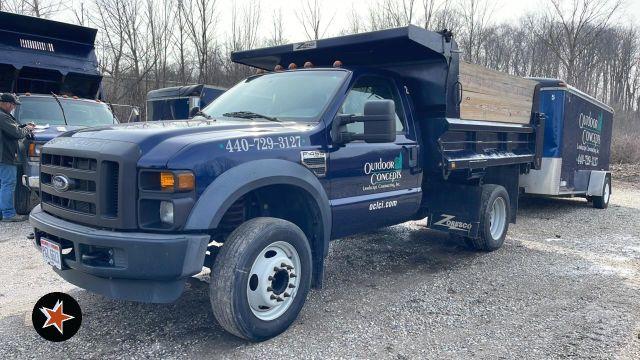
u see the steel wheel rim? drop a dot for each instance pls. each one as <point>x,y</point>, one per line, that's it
<point>607,192</point>
<point>497,217</point>
<point>273,281</point>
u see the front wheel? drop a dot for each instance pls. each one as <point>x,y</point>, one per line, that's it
<point>495,212</point>
<point>260,278</point>
<point>602,202</point>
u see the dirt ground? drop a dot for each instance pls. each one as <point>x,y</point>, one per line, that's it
<point>566,284</point>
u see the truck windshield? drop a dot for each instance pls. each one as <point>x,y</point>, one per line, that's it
<point>46,111</point>
<point>290,95</point>
<point>168,109</point>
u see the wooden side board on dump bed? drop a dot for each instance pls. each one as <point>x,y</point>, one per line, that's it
<point>492,95</point>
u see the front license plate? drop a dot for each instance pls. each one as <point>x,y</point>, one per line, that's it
<point>51,252</point>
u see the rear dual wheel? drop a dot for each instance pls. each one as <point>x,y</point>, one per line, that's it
<point>260,278</point>
<point>495,212</point>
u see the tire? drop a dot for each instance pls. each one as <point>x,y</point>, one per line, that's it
<point>22,196</point>
<point>249,271</point>
<point>602,202</point>
<point>492,233</point>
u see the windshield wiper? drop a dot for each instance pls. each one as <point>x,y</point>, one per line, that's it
<point>249,115</point>
<point>206,116</point>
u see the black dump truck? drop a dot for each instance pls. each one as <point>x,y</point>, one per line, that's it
<point>330,138</point>
<point>53,69</point>
<point>180,102</point>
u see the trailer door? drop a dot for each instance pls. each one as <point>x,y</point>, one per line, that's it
<point>373,185</point>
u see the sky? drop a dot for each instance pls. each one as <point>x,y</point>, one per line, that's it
<point>505,11</point>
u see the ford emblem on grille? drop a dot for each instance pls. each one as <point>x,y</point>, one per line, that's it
<point>60,183</point>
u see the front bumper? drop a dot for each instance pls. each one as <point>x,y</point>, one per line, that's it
<point>145,267</point>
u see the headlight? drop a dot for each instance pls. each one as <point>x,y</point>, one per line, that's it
<point>166,212</point>
<point>34,151</point>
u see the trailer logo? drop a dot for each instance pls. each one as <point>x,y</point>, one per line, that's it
<point>591,129</point>
<point>383,174</point>
<point>447,221</point>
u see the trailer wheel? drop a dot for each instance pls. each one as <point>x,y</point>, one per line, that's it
<point>495,213</point>
<point>602,202</point>
<point>260,278</point>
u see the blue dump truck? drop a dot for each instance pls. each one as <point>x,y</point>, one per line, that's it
<point>577,145</point>
<point>330,138</point>
<point>180,102</point>
<point>53,68</point>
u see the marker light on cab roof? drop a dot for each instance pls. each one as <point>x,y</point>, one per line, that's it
<point>293,66</point>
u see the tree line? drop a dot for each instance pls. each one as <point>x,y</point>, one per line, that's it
<point>148,44</point>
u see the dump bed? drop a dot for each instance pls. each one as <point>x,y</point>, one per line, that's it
<point>43,56</point>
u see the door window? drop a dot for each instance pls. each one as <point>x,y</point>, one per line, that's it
<point>371,88</point>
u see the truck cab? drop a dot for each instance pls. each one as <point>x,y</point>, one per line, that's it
<point>329,138</point>
<point>180,102</point>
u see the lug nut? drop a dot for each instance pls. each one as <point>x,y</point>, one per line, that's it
<point>269,288</point>
<point>279,299</point>
<point>270,278</point>
<point>273,297</point>
<point>291,286</point>
<point>292,275</point>
<point>275,268</point>
<point>287,295</point>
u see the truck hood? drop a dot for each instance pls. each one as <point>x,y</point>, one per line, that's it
<point>159,140</point>
<point>53,131</point>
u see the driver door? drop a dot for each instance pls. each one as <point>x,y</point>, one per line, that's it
<point>373,185</point>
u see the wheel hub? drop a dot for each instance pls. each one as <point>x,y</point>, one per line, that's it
<point>273,280</point>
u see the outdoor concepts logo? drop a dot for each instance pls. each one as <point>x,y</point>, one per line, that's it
<point>383,174</point>
<point>56,317</point>
<point>591,129</point>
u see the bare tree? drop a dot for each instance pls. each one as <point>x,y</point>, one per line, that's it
<point>312,19</point>
<point>570,28</point>
<point>201,23</point>
<point>277,29</point>
<point>475,16</point>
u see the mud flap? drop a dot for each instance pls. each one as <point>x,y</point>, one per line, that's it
<point>454,208</point>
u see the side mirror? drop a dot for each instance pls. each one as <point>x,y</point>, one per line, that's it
<point>194,110</point>
<point>379,123</point>
<point>134,116</point>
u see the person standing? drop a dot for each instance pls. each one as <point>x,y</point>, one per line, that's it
<point>10,132</point>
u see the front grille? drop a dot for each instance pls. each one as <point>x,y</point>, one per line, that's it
<point>93,187</point>
<point>90,181</point>
<point>69,204</point>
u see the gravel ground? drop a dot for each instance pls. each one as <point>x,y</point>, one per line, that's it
<point>566,284</point>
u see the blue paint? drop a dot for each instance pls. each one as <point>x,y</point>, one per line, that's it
<point>552,105</point>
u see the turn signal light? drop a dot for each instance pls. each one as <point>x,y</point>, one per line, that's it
<point>186,181</point>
